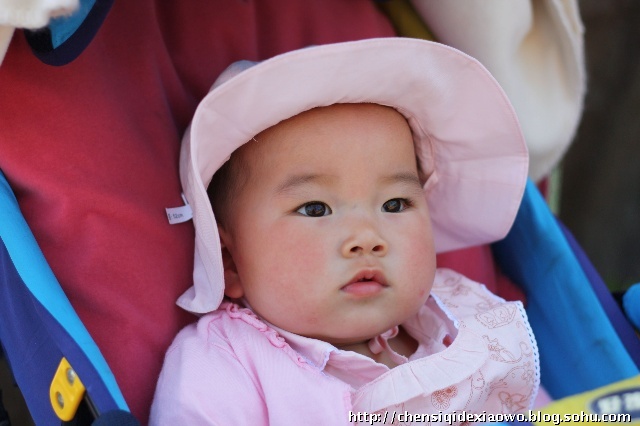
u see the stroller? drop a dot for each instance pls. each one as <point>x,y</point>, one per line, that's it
<point>585,341</point>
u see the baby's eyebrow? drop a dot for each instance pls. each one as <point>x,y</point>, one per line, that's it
<point>407,178</point>
<point>294,181</point>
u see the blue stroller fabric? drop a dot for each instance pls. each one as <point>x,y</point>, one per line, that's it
<point>579,348</point>
<point>38,326</point>
<point>631,304</point>
<point>618,320</point>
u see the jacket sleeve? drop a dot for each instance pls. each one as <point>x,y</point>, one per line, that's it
<point>203,383</point>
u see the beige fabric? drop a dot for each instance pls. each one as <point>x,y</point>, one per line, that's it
<point>6,32</point>
<point>535,50</point>
<point>29,14</point>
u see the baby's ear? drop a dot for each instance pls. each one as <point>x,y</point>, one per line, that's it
<point>232,286</point>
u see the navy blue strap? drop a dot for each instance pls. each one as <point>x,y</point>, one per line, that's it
<point>65,38</point>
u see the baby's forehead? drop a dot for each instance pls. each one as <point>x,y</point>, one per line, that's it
<point>325,138</point>
<point>309,126</point>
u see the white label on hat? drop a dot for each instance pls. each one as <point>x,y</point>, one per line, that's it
<point>179,214</point>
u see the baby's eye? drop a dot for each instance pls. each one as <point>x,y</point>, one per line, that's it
<point>314,209</point>
<point>396,205</point>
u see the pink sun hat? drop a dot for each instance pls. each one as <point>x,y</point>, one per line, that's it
<point>465,131</point>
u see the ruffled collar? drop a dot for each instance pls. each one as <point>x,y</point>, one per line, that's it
<point>374,385</point>
<point>456,313</point>
<point>434,327</point>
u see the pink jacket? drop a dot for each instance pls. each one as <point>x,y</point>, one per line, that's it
<point>231,368</point>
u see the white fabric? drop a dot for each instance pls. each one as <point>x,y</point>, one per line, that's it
<point>31,14</point>
<point>536,52</point>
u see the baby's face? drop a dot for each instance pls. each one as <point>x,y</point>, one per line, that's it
<point>330,237</point>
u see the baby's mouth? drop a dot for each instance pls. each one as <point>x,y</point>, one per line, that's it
<point>366,282</point>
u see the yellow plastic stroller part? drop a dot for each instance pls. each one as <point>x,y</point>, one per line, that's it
<point>66,391</point>
<point>619,402</point>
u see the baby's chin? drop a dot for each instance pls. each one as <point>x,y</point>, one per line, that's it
<point>364,332</point>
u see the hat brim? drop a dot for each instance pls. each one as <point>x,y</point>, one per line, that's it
<point>466,134</point>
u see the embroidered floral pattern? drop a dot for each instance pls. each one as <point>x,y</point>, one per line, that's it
<point>500,353</point>
<point>475,390</point>
<point>498,316</point>
<point>460,290</point>
<point>528,375</point>
<point>512,403</point>
<point>442,399</point>
<point>477,381</point>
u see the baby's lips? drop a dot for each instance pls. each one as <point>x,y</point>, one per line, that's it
<point>368,275</point>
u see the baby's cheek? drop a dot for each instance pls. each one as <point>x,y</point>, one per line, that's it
<point>301,253</point>
<point>421,262</point>
<point>419,242</point>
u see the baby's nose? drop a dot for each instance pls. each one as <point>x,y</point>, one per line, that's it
<point>367,241</point>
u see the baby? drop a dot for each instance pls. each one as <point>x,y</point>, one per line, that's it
<point>349,167</point>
